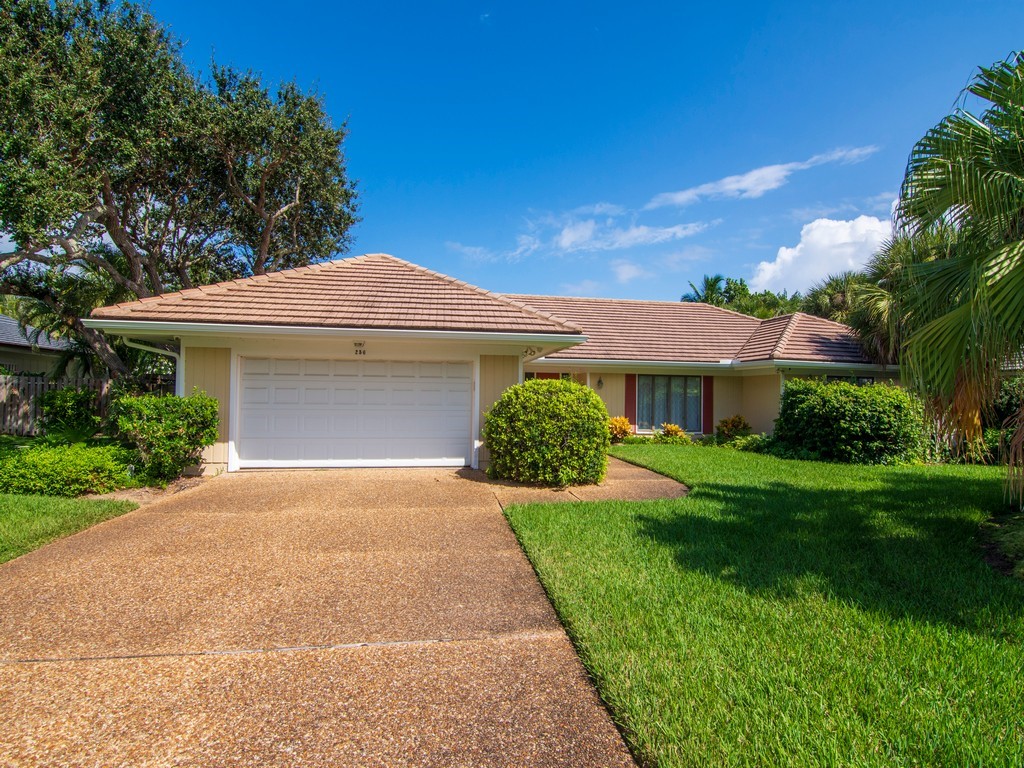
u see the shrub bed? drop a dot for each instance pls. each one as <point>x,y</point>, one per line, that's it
<point>65,470</point>
<point>873,424</point>
<point>548,431</point>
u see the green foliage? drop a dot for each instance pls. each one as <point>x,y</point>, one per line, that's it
<point>874,424</point>
<point>763,304</point>
<point>1009,402</point>
<point>548,431</point>
<point>734,294</point>
<point>123,170</point>
<point>168,432</point>
<point>732,427</point>
<point>833,297</point>
<point>69,413</point>
<point>619,428</point>
<point>65,470</point>
<point>752,443</point>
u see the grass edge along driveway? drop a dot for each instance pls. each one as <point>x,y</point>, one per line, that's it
<point>29,522</point>
<point>792,613</point>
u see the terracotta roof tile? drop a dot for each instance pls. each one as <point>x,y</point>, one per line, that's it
<point>668,331</point>
<point>372,291</point>
<point>664,331</point>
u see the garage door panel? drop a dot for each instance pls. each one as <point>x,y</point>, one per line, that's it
<point>354,413</point>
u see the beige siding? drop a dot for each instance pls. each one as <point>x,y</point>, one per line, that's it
<point>209,370</point>
<point>497,373</point>
<point>760,403</point>
<point>613,392</point>
<point>728,398</point>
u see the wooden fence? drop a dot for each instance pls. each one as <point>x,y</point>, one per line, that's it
<point>20,398</point>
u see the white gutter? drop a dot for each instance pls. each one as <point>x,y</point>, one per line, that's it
<point>124,327</point>
<point>179,369</point>
<point>721,365</point>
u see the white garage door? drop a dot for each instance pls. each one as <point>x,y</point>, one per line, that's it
<point>349,413</point>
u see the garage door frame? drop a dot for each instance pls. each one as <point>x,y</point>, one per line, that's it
<point>234,433</point>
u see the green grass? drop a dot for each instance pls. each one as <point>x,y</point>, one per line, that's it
<point>29,522</point>
<point>793,613</point>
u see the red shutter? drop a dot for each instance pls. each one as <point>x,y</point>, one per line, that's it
<point>707,389</point>
<point>631,399</point>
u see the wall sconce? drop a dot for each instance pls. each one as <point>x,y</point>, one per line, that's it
<point>600,383</point>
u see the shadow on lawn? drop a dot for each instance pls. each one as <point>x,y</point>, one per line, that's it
<point>905,549</point>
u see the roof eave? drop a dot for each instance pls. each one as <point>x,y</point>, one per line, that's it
<point>153,328</point>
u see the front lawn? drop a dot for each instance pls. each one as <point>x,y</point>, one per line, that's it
<point>793,613</point>
<point>29,522</point>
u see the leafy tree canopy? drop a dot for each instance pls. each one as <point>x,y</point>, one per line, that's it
<point>734,294</point>
<point>119,167</point>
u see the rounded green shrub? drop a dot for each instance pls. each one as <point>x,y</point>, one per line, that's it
<point>548,431</point>
<point>168,432</point>
<point>838,421</point>
<point>65,470</point>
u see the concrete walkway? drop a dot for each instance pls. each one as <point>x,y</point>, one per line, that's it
<point>340,617</point>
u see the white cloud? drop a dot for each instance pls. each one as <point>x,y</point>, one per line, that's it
<point>599,209</point>
<point>683,259</point>
<point>582,288</point>
<point>473,252</point>
<point>627,271</point>
<point>576,236</point>
<point>589,235</point>
<point>757,182</point>
<point>826,246</point>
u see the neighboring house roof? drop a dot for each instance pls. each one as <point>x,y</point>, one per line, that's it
<point>11,336</point>
<point>375,291</point>
<point>664,331</point>
<point>619,329</point>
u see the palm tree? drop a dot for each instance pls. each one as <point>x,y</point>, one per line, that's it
<point>968,173</point>
<point>711,291</point>
<point>832,297</point>
<point>879,304</point>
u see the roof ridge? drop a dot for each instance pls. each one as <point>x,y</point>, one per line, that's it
<point>636,301</point>
<point>483,292</point>
<point>784,336</point>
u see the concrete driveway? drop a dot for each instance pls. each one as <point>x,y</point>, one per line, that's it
<point>343,617</point>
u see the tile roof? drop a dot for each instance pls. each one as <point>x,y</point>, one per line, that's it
<point>803,337</point>
<point>665,331</point>
<point>669,331</point>
<point>11,335</point>
<point>375,291</point>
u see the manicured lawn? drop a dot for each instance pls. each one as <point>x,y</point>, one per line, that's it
<point>793,613</point>
<point>29,522</point>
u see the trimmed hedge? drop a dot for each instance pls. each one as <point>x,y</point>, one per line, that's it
<point>168,432</point>
<point>65,470</point>
<point>872,424</point>
<point>548,431</point>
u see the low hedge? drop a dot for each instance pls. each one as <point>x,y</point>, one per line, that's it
<point>838,421</point>
<point>65,470</point>
<point>548,431</point>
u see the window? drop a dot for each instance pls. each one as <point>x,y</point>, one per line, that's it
<point>668,400</point>
<point>860,381</point>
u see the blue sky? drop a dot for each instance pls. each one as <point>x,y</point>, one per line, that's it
<point>605,149</point>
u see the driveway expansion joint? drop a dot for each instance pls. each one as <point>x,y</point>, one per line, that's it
<point>523,636</point>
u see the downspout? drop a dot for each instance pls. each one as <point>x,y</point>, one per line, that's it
<point>179,369</point>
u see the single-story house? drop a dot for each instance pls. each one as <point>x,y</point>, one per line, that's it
<point>19,355</point>
<point>374,361</point>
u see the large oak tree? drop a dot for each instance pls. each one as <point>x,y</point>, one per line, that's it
<point>110,145</point>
